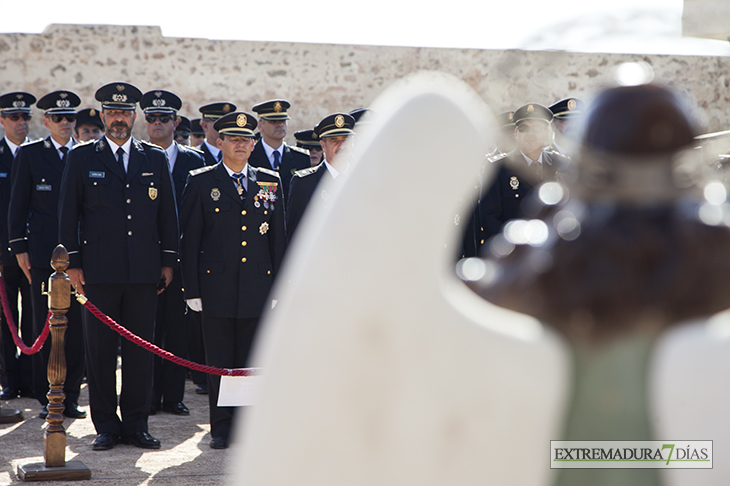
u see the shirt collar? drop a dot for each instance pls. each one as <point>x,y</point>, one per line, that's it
<point>333,172</point>
<point>58,146</point>
<point>270,150</point>
<point>13,147</point>
<point>230,172</point>
<point>530,161</point>
<point>172,151</point>
<point>213,150</point>
<point>127,146</point>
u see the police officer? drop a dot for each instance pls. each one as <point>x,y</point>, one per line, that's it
<point>520,170</point>
<point>233,240</point>
<point>567,114</point>
<point>33,232</point>
<point>309,141</point>
<point>171,325</point>
<point>182,130</point>
<point>119,223</point>
<point>271,151</point>
<point>212,112</point>
<point>15,113</point>
<point>88,125</point>
<point>335,134</point>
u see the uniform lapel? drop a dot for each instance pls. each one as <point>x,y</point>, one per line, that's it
<point>50,154</point>
<point>136,158</point>
<point>104,152</point>
<point>225,183</point>
<point>252,188</point>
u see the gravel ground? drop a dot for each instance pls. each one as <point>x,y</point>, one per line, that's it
<point>184,458</point>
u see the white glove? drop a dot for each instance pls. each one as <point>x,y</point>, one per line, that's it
<point>195,305</point>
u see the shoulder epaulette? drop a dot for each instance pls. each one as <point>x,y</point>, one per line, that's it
<point>496,157</point>
<point>188,148</point>
<point>305,172</point>
<point>149,144</point>
<point>81,144</point>
<point>270,172</point>
<point>201,170</point>
<point>300,150</point>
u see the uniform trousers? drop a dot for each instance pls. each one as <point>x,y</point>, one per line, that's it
<point>196,347</point>
<point>133,306</point>
<point>227,345</point>
<point>73,343</point>
<point>18,367</point>
<point>171,333</point>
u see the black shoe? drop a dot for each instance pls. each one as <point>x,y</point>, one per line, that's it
<point>105,441</point>
<point>219,443</point>
<point>177,409</point>
<point>8,393</point>
<point>201,389</point>
<point>142,440</point>
<point>43,413</point>
<point>73,411</point>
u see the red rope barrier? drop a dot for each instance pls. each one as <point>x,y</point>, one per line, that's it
<point>124,332</point>
<point>38,344</point>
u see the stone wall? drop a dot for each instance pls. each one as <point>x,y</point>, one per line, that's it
<point>320,78</point>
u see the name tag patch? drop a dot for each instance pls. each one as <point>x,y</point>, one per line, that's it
<point>3,175</point>
<point>96,175</point>
<point>43,187</point>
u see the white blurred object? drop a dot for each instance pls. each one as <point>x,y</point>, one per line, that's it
<point>380,366</point>
<point>195,305</point>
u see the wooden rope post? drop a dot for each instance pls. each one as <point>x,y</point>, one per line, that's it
<point>55,466</point>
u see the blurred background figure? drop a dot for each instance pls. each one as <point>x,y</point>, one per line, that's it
<point>182,130</point>
<point>88,125</point>
<point>308,140</point>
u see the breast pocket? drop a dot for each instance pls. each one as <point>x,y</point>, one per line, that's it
<point>95,185</point>
<point>151,187</point>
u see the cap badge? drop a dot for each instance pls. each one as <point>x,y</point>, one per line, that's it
<point>530,108</point>
<point>514,183</point>
<point>264,228</point>
<point>314,136</point>
<point>120,87</point>
<point>241,120</point>
<point>226,108</point>
<point>510,116</point>
<point>152,191</point>
<point>158,93</point>
<point>63,96</point>
<point>215,194</point>
<point>339,121</point>
<point>19,96</point>
<point>277,107</point>
<point>121,98</point>
<point>571,105</point>
<point>19,104</point>
<point>92,112</point>
<point>63,103</point>
<point>158,102</point>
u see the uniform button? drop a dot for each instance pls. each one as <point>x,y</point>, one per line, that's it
<point>243,212</point>
<point>266,212</point>
<point>129,201</point>
<point>243,228</point>
<point>207,271</point>
<point>217,210</point>
<point>129,216</point>
<point>268,272</point>
<point>243,259</point>
<point>94,183</point>
<point>84,242</point>
<point>243,243</point>
<point>127,186</point>
<point>517,195</point>
<point>482,242</point>
<point>129,233</point>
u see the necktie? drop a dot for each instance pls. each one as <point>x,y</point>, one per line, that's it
<point>238,178</point>
<point>537,170</point>
<point>120,159</point>
<point>64,150</point>
<point>220,155</point>
<point>277,159</point>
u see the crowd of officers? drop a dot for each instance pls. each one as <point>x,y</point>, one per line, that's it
<point>179,244</point>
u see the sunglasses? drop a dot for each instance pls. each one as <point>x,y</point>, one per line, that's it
<point>533,129</point>
<point>182,135</point>
<point>67,116</point>
<point>154,118</point>
<point>17,116</point>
